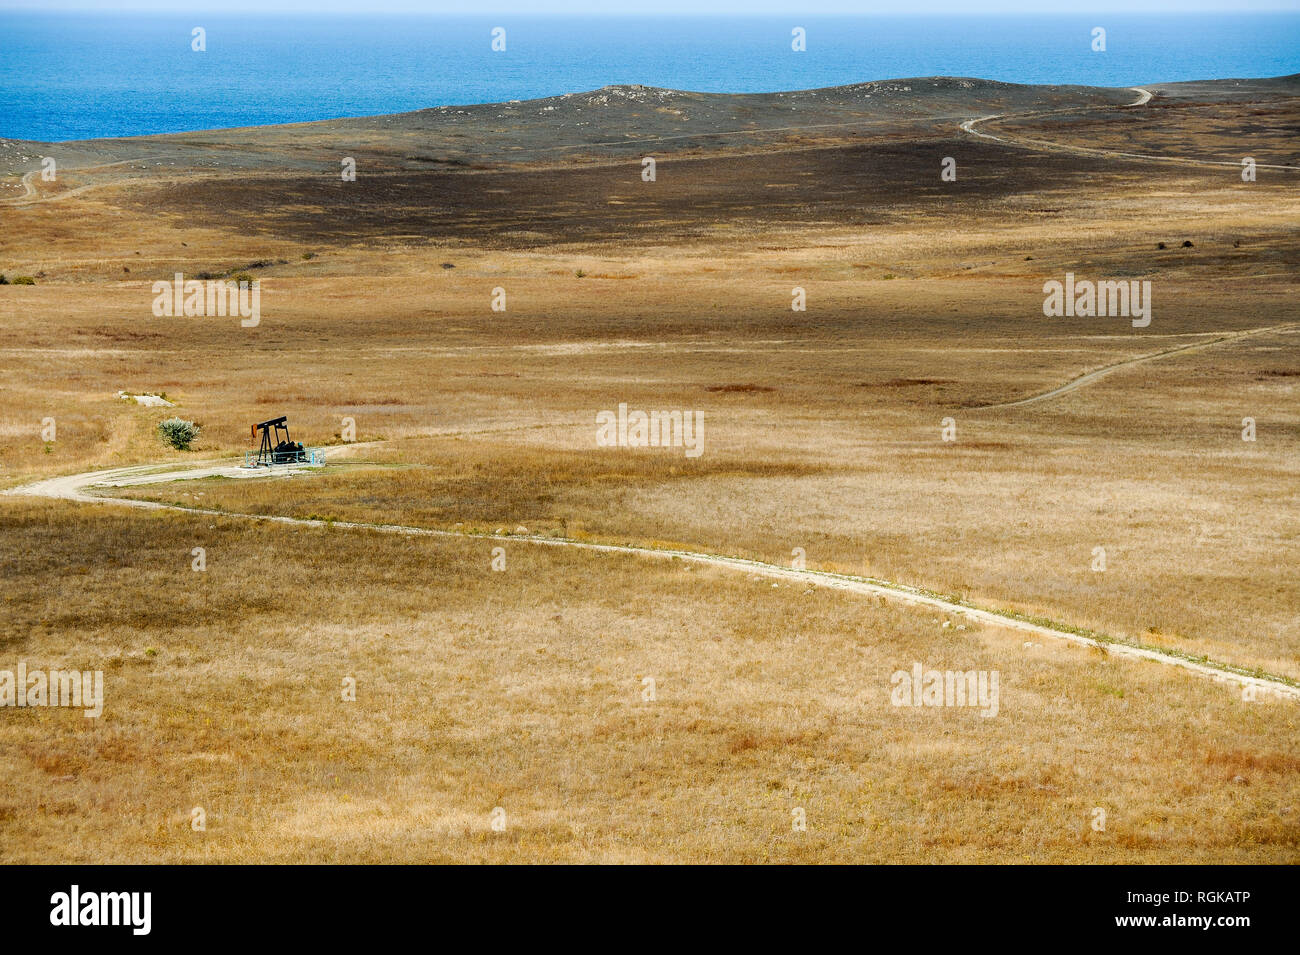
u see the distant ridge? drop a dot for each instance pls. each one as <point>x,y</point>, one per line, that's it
<point>615,121</point>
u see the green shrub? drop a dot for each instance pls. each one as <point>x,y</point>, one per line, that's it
<point>24,280</point>
<point>3,280</point>
<point>178,433</point>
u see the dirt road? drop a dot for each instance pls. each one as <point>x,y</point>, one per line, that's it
<point>77,487</point>
<point>1144,96</point>
<point>1099,373</point>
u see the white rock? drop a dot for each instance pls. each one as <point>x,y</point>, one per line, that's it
<point>149,401</point>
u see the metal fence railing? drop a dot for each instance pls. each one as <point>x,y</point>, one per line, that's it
<point>310,457</point>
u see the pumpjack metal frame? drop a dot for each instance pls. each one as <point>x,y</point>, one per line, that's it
<point>267,454</point>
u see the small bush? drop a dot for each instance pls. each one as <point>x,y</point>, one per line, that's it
<point>3,280</point>
<point>178,433</point>
<point>242,277</point>
<point>28,280</point>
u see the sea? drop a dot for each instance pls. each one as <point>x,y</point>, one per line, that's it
<point>70,76</point>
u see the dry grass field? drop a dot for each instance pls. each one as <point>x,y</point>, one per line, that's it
<point>523,688</point>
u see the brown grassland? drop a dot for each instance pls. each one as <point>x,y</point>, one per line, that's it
<point>522,689</point>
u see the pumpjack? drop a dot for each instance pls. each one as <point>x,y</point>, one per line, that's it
<point>280,449</point>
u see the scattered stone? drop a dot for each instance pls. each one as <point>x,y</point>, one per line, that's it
<point>149,401</point>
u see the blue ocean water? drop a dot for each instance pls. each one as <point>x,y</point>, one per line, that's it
<point>77,76</point>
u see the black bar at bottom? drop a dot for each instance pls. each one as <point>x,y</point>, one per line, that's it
<point>330,905</point>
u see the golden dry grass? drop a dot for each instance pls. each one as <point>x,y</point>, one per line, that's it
<point>522,689</point>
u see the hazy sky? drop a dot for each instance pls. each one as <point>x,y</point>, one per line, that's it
<point>661,7</point>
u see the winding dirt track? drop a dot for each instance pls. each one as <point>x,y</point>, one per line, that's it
<point>77,487</point>
<point>1144,96</point>
<point>1099,373</point>
<point>31,196</point>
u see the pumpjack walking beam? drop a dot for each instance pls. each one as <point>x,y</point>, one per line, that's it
<point>280,450</point>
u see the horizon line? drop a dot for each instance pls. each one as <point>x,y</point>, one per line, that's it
<point>966,13</point>
<point>597,89</point>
